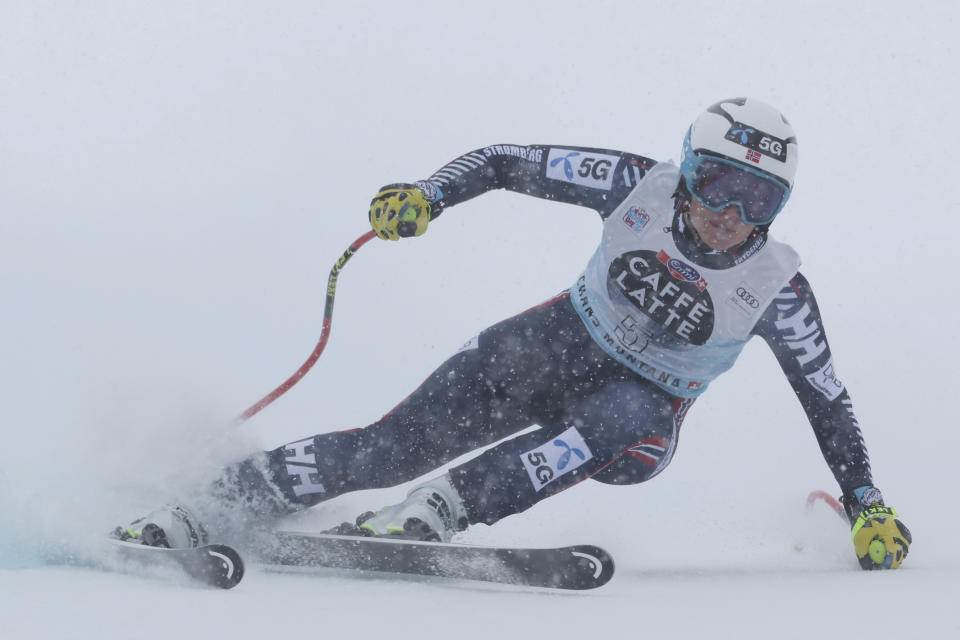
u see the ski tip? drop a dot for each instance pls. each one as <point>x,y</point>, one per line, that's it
<point>216,565</point>
<point>594,567</point>
<point>223,567</point>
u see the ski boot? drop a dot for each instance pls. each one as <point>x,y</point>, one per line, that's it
<point>171,527</point>
<point>433,512</point>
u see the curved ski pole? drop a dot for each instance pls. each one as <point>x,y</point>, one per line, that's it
<point>827,499</point>
<point>324,334</point>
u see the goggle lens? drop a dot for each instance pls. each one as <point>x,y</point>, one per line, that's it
<point>718,184</point>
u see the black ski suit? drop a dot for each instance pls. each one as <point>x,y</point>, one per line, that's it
<point>597,418</point>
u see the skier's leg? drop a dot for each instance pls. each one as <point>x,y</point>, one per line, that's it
<point>518,373</point>
<point>460,407</point>
<point>499,384</point>
<point>592,411</point>
<point>625,418</point>
<point>646,457</point>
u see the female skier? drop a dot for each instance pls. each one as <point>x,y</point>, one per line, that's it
<point>686,273</point>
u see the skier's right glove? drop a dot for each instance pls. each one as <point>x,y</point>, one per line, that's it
<point>879,538</point>
<point>402,211</point>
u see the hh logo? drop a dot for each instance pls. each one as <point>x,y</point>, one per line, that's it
<point>303,474</point>
<point>801,332</point>
<point>555,458</point>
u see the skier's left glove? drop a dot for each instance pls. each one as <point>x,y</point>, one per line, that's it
<point>402,211</point>
<point>879,538</point>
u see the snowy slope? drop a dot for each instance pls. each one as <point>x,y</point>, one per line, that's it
<point>177,178</point>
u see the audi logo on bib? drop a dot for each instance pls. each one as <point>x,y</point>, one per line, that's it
<point>748,297</point>
<point>745,299</point>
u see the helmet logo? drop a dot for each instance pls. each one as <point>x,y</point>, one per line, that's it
<point>759,141</point>
<point>744,134</point>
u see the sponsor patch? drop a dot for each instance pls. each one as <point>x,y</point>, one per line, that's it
<point>581,167</point>
<point>666,290</point>
<point>636,218</point>
<point>525,153</point>
<point>826,382</point>
<point>559,456</point>
<point>745,299</point>
<point>681,270</point>
<point>757,141</point>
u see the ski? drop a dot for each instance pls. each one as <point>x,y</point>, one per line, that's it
<point>574,567</point>
<point>216,565</point>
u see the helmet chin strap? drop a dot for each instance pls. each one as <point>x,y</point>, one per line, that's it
<point>681,208</point>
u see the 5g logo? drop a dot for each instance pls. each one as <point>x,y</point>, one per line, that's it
<point>542,471</point>
<point>772,147</point>
<point>583,167</point>
<point>593,168</point>
<point>757,140</point>
<point>556,457</point>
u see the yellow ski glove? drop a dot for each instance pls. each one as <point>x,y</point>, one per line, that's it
<point>879,538</point>
<point>400,211</point>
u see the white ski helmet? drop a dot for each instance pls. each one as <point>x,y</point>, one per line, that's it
<point>748,135</point>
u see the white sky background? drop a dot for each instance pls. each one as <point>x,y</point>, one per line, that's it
<point>177,178</point>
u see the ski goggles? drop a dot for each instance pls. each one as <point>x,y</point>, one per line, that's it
<point>718,183</point>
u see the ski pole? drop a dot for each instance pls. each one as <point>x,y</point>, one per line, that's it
<point>829,500</point>
<point>324,334</point>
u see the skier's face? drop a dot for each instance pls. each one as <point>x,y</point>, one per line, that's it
<point>720,230</point>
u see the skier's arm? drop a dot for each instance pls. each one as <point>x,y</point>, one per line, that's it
<point>596,178</point>
<point>793,328</point>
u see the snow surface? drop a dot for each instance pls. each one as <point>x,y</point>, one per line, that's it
<point>177,178</point>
